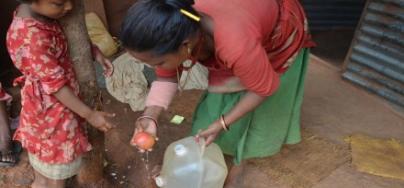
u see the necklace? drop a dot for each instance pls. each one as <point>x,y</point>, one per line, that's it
<point>182,86</point>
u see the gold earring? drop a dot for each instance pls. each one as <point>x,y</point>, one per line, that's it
<point>189,51</point>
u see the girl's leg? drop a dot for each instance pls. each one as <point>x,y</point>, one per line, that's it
<point>235,177</point>
<point>41,181</point>
<point>5,136</point>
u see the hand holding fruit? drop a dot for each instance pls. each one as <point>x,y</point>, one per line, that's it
<point>144,136</point>
<point>143,141</point>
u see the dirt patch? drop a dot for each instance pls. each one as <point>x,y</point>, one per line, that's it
<point>125,166</point>
<point>301,165</point>
<point>304,164</point>
<point>21,175</point>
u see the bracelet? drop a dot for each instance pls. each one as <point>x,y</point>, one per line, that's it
<point>223,123</point>
<point>147,117</point>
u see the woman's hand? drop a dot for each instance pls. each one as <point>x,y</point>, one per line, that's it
<point>247,103</point>
<point>98,120</point>
<point>210,133</point>
<point>147,123</point>
<point>103,61</point>
<point>144,125</point>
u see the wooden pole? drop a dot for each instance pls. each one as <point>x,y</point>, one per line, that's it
<point>80,51</point>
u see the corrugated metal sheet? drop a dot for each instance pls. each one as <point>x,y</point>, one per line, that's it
<point>330,14</point>
<point>376,57</point>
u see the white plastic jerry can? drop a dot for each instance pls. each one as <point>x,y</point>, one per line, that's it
<point>190,164</point>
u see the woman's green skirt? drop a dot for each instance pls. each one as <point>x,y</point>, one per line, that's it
<point>263,131</point>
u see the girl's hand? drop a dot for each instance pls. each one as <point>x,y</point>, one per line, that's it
<point>210,133</point>
<point>144,125</point>
<point>98,120</point>
<point>103,61</point>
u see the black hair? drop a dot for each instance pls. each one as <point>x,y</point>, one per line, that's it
<point>158,26</point>
<point>26,1</point>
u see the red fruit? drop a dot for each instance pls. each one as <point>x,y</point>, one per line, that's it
<point>143,140</point>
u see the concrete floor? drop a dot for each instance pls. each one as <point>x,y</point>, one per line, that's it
<point>334,109</point>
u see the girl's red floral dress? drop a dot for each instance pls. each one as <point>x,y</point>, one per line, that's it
<point>48,129</point>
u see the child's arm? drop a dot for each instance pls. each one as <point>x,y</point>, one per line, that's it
<point>102,60</point>
<point>96,118</point>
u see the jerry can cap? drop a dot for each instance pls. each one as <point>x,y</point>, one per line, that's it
<point>180,150</point>
<point>159,181</point>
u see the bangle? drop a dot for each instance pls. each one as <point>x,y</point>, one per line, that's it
<point>147,117</point>
<point>223,123</point>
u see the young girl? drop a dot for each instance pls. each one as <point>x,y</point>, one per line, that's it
<point>50,127</point>
<point>256,53</point>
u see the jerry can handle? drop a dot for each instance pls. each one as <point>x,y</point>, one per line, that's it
<point>202,144</point>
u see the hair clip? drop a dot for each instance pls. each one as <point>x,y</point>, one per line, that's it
<point>190,15</point>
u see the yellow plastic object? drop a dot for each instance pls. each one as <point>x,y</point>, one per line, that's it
<point>99,35</point>
<point>177,119</point>
<point>382,157</point>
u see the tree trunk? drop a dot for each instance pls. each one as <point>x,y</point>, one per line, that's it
<point>80,52</point>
